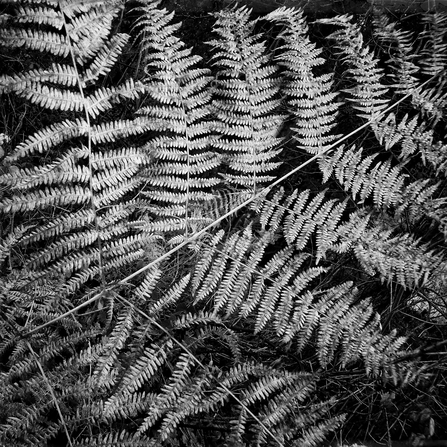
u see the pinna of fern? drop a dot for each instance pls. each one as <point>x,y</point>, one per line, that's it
<point>246,122</point>
<point>177,106</point>
<point>311,101</point>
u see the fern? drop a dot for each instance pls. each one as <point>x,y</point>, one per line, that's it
<point>367,93</point>
<point>77,201</point>
<point>401,52</point>
<point>246,125</point>
<point>82,177</point>
<point>180,176</point>
<point>261,332</point>
<point>277,293</point>
<point>428,60</point>
<point>312,103</point>
<point>432,54</point>
<point>104,375</point>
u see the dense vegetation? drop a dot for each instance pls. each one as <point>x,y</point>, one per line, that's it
<point>242,247</point>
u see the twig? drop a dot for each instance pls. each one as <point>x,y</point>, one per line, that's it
<point>53,396</point>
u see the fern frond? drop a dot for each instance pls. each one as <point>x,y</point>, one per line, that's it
<point>159,22</point>
<point>402,55</point>
<point>312,103</point>
<point>188,404</point>
<point>299,220</point>
<point>315,435</point>
<point>92,26</point>
<point>245,109</point>
<point>204,262</point>
<point>56,99</point>
<point>120,438</point>
<point>280,406</point>
<point>74,8</point>
<point>367,94</point>
<point>380,353</point>
<point>302,220</point>
<point>431,299</point>
<point>357,322</point>
<point>112,131</point>
<point>407,133</point>
<point>170,392</point>
<point>52,98</point>
<point>433,57</point>
<point>418,201</point>
<point>63,171</point>
<point>333,308</point>
<point>180,176</point>
<point>170,298</point>
<point>61,248</point>
<point>238,426</point>
<point>104,98</point>
<point>217,268</point>
<point>435,154</point>
<point>55,74</point>
<point>46,198</point>
<point>11,239</point>
<point>277,300</point>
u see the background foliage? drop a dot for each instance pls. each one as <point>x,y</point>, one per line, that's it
<point>242,247</point>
